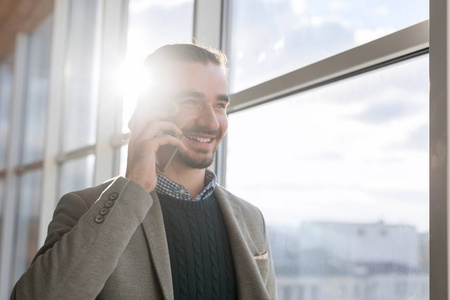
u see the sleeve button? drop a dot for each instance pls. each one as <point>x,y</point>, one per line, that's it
<point>113,196</point>
<point>103,211</point>
<point>108,203</point>
<point>99,219</point>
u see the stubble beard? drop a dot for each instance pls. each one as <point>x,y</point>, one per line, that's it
<point>201,160</point>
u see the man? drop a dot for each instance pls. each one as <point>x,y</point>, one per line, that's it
<point>153,234</point>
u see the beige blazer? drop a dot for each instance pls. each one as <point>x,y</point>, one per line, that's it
<point>109,242</point>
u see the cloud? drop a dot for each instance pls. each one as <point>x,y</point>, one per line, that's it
<point>137,6</point>
<point>363,36</point>
<point>407,195</point>
<point>418,139</point>
<point>338,5</point>
<point>298,6</point>
<point>279,45</point>
<point>308,45</point>
<point>378,113</point>
<point>328,156</point>
<point>381,11</point>
<point>262,57</point>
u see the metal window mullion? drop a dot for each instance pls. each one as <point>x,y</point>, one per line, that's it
<point>404,42</point>
<point>28,167</point>
<point>208,22</point>
<point>439,149</point>
<point>109,96</point>
<point>9,213</point>
<point>75,154</point>
<point>54,111</point>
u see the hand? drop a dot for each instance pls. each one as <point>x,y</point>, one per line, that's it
<point>144,142</point>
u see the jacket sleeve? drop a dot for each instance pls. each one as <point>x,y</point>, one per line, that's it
<point>84,243</point>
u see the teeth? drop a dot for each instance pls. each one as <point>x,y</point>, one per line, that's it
<point>198,139</point>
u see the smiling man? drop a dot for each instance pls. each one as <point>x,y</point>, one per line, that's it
<point>155,234</point>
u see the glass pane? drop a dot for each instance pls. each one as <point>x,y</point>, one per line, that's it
<point>27,226</point>
<point>269,38</point>
<point>76,174</point>
<point>80,101</point>
<point>2,205</point>
<point>123,160</point>
<point>151,24</point>
<point>341,174</point>
<point>6,79</point>
<point>37,83</point>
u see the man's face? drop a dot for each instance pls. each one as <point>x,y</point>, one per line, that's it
<point>200,92</point>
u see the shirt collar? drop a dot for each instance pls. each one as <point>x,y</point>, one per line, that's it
<point>170,188</point>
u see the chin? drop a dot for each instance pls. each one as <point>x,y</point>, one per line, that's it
<point>202,161</point>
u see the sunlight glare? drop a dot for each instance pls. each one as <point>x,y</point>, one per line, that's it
<point>133,79</point>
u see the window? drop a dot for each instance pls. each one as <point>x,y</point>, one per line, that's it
<point>80,75</point>
<point>2,201</point>
<point>29,172</point>
<point>76,174</point>
<point>331,163</point>
<point>6,87</point>
<point>5,96</point>
<point>269,38</point>
<point>36,85</point>
<point>323,174</point>
<point>27,221</point>
<point>80,84</point>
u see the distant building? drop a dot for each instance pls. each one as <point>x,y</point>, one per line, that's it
<point>326,261</point>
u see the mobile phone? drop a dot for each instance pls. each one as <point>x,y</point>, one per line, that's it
<point>165,154</point>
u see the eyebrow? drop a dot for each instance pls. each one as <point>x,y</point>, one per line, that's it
<point>224,98</point>
<point>186,94</point>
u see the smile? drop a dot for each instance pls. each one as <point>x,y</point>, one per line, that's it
<point>199,139</point>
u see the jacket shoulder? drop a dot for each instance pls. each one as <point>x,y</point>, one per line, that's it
<point>247,209</point>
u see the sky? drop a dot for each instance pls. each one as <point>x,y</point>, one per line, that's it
<point>354,151</point>
<point>271,37</point>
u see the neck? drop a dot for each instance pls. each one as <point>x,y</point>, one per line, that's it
<point>192,179</point>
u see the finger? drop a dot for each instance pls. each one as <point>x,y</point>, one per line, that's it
<point>157,128</point>
<point>140,120</point>
<point>154,143</point>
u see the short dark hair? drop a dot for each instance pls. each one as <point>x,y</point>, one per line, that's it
<point>157,62</point>
<point>186,53</point>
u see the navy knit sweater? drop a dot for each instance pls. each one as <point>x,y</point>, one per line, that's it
<point>199,249</point>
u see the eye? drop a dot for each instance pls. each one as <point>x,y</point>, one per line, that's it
<point>190,103</point>
<point>221,105</point>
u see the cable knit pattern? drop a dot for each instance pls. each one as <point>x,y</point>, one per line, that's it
<point>174,223</point>
<point>199,250</point>
<point>198,258</point>
<point>213,253</point>
<point>228,262</point>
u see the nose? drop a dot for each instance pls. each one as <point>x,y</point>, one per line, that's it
<point>207,118</point>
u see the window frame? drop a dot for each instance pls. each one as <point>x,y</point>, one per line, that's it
<point>439,149</point>
<point>211,26</point>
<point>401,45</point>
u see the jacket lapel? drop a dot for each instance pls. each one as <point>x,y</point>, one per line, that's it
<point>249,282</point>
<point>153,226</point>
